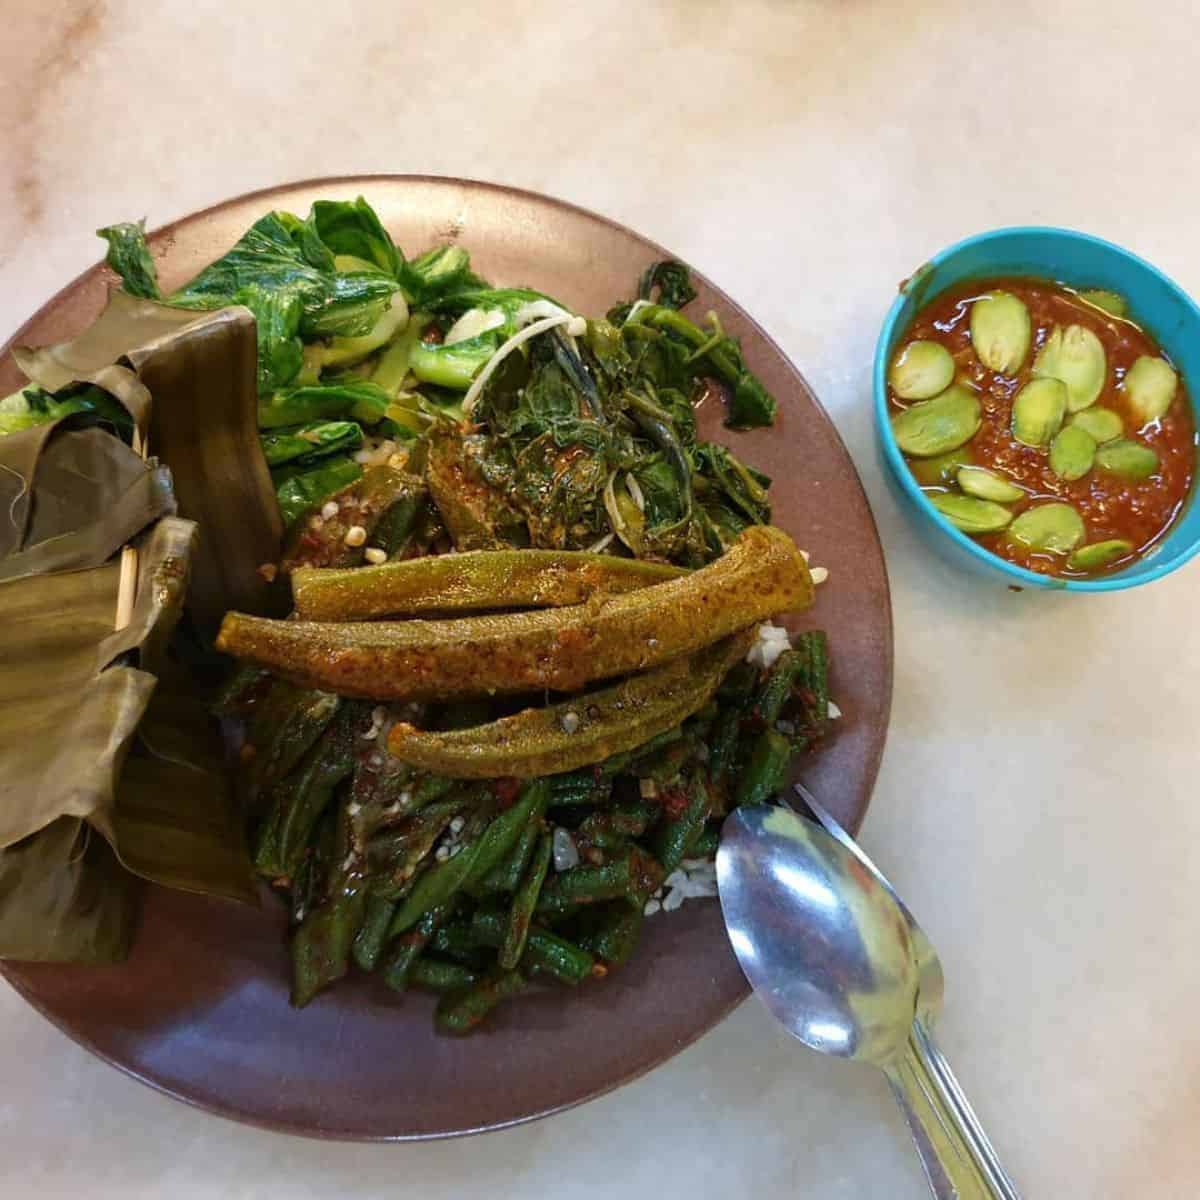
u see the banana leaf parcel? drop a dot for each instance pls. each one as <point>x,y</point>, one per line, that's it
<point>110,769</point>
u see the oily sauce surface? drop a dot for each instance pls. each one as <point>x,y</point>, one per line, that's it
<point>1140,511</point>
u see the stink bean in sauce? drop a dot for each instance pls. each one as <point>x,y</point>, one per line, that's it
<point>1121,502</point>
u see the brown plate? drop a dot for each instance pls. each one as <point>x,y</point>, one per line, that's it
<point>201,1011</point>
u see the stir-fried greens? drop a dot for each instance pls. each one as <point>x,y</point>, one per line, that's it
<point>527,674</point>
<point>585,435</point>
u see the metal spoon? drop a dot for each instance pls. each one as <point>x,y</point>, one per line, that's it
<point>826,946</point>
<point>930,994</point>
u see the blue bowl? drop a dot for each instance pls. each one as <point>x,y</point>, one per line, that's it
<point>1156,303</point>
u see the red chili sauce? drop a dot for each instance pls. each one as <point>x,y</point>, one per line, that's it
<point>1139,511</point>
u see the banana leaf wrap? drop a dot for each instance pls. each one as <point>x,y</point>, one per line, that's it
<point>110,767</point>
<point>201,370</point>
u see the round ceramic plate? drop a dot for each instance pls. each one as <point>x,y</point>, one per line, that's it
<point>200,1010</point>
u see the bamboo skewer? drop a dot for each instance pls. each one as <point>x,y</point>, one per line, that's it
<point>127,584</point>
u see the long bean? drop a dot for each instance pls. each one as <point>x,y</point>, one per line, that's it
<point>409,946</point>
<point>546,953</point>
<point>634,877</point>
<point>614,938</point>
<point>788,669</point>
<point>524,902</point>
<point>461,1012</point>
<point>473,860</point>
<point>766,772</point>
<point>372,937</point>
<point>679,832</point>
<point>506,876</point>
<point>436,976</point>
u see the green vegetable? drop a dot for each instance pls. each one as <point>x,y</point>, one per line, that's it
<point>300,490</point>
<point>546,953</point>
<point>473,861</point>
<point>937,426</point>
<point>614,938</point>
<point>678,833</point>
<point>1099,554</point>
<point>921,370</point>
<point>1102,423</point>
<point>765,773</point>
<point>443,977</point>
<point>750,405</point>
<point>346,351</point>
<point>574,732</point>
<point>633,876</point>
<point>305,444</point>
<point>325,541</point>
<point>359,399</point>
<point>1127,458</point>
<point>1072,453</point>
<point>761,575</point>
<point>500,838</point>
<point>670,280</point>
<point>1150,386</point>
<point>524,903</point>
<point>322,944</point>
<point>398,967</point>
<point>942,469</point>
<point>31,405</point>
<point>482,579</point>
<point>970,514</point>
<point>1038,411</point>
<point>1110,302</point>
<point>324,940</point>
<point>391,370</point>
<point>984,484</point>
<point>372,936</point>
<point>1001,332</point>
<point>452,366</point>
<point>788,670</point>
<point>1051,528</point>
<point>506,877</point>
<point>130,258</point>
<point>352,227</point>
<point>282,727</point>
<point>1075,356</point>
<point>285,275</point>
<point>461,1012</point>
<point>437,273</point>
<point>298,807</point>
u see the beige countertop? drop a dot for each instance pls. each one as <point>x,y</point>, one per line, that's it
<point>1037,799</point>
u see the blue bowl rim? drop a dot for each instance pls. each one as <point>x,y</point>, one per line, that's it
<point>1152,570</point>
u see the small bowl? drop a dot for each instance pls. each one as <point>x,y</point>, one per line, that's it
<point>1164,309</point>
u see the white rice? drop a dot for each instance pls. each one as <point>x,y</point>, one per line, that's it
<point>693,879</point>
<point>566,852</point>
<point>375,451</point>
<point>771,642</point>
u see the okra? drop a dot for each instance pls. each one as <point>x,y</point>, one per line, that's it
<point>562,649</point>
<point>474,581</point>
<point>576,732</point>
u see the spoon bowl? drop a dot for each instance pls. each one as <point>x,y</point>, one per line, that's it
<point>818,937</point>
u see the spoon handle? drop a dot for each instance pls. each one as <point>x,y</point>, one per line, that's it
<point>959,1109</point>
<point>950,1166</point>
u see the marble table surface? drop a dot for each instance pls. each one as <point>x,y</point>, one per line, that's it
<point>1037,800</point>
